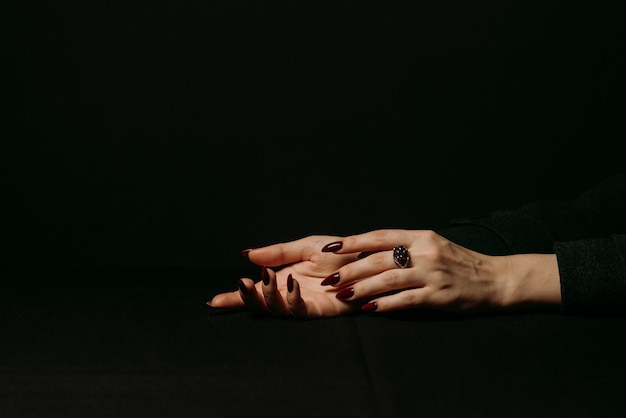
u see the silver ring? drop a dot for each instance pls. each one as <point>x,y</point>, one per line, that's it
<point>401,256</point>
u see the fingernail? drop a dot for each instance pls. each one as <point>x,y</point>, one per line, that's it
<point>242,287</point>
<point>244,253</point>
<point>345,293</point>
<point>371,306</point>
<point>290,283</point>
<point>264,276</point>
<point>332,279</point>
<point>209,303</point>
<point>365,254</point>
<point>332,247</point>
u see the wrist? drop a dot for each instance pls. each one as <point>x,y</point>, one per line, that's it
<point>528,280</point>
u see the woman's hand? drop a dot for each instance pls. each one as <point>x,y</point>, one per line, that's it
<point>329,276</point>
<point>295,289</point>
<point>440,274</point>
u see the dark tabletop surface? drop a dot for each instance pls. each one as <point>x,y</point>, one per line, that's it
<point>142,342</point>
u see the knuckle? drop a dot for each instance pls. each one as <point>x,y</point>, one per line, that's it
<point>429,235</point>
<point>380,236</point>
<point>431,238</point>
<point>391,278</point>
<point>280,252</point>
<point>408,298</point>
<point>437,278</point>
<point>444,297</point>
<point>379,259</point>
<point>431,258</point>
<point>434,255</point>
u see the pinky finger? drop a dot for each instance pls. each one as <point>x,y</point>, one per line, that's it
<point>294,299</point>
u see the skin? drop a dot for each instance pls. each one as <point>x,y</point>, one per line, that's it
<point>308,265</point>
<point>440,275</point>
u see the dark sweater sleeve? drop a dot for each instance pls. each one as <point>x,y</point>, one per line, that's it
<point>587,234</point>
<point>593,275</point>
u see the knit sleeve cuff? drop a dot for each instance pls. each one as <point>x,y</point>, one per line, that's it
<point>593,275</point>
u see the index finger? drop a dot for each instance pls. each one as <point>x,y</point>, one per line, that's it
<point>281,254</point>
<point>377,240</point>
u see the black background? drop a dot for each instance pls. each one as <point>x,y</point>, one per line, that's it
<point>179,133</point>
<point>147,143</point>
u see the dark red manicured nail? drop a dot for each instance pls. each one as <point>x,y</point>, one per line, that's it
<point>242,287</point>
<point>332,247</point>
<point>332,279</point>
<point>365,254</point>
<point>345,293</point>
<point>290,283</point>
<point>371,306</point>
<point>244,253</point>
<point>265,276</point>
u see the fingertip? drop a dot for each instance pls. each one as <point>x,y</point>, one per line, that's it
<point>242,287</point>
<point>346,293</point>
<point>370,306</point>
<point>275,255</point>
<point>268,278</point>
<point>246,252</point>
<point>333,279</point>
<point>332,247</point>
<point>271,294</point>
<point>257,256</point>
<point>290,283</point>
<point>297,307</point>
<point>265,276</point>
<point>292,295</point>
<point>214,302</point>
<point>218,301</point>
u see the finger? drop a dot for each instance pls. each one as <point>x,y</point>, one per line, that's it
<point>284,253</point>
<point>386,282</point>
<point>251,297</point>
<point>406,299</point>
<point>374,264</point>
<point>227,300</point>
<point>381,239</point>
<point>365,254</point>
<point>296,304</point>
<point>273,299</point>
